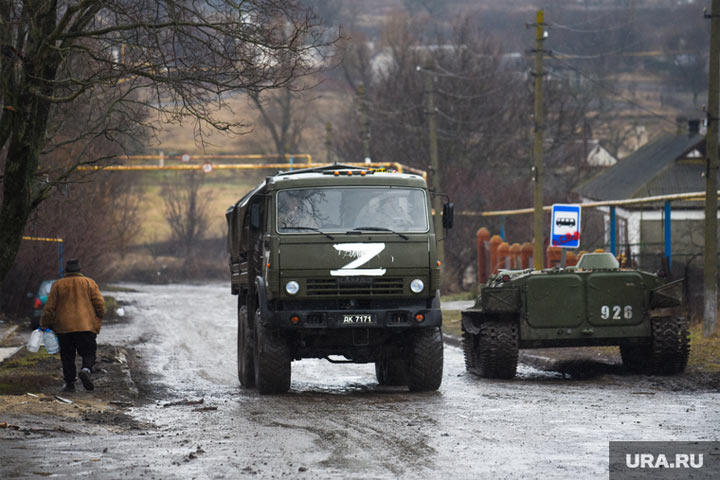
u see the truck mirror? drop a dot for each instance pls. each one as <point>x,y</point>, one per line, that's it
<point>255,216</point>
<point>448,214</point>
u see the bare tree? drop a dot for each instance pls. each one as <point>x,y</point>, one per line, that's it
<point>125,200</point>
<point>186,211</point>
<point>127,64</point>
<point>283,116</point>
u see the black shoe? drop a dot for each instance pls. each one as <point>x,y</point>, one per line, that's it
<point>85,379</point>
<point>68,387</point>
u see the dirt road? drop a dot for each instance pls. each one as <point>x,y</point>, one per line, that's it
<point>337,423</point>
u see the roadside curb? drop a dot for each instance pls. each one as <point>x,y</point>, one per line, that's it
<point>9,333</point>
<point>122,358</point>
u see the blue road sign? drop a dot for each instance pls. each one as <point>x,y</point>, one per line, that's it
<point>565,226</point>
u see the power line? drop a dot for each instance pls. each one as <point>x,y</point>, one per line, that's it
<point>616,94</point>
<point>599,30</point>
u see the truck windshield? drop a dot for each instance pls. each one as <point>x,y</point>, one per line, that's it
<point>340,209</point>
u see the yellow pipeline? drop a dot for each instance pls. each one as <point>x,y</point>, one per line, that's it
<point>693,196</point>
<point>43,239</point>
<point>241,166</point>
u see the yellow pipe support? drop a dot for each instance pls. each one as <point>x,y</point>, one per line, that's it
<point>42,239</point>
<point>693,196</point>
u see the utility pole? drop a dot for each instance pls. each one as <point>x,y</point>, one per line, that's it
<point>365,121</point>
<point>434,163</point>
<point>538,223</point>
<point>711,201</point>
<point>328,142</point>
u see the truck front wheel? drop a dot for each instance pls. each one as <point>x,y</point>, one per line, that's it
<point>272,360</point>
<point>246,369</point>
<point>425,363</point>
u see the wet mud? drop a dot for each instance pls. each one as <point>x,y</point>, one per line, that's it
<point>337,423</point>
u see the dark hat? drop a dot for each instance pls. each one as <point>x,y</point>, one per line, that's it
<point>72,266</point>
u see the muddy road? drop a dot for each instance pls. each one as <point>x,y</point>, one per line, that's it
<point>337,423</point>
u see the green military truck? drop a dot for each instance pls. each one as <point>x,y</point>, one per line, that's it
<point>337,262</point>
<point>595,303</point>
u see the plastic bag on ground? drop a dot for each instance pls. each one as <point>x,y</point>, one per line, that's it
<point>36,339</point>
<point>51,342</point>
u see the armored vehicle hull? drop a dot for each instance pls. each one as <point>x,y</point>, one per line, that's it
<point>594,304</point>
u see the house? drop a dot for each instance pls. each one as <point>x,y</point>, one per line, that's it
<point>671,163</point>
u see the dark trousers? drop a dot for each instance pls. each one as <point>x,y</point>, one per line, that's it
<point>81,342</point>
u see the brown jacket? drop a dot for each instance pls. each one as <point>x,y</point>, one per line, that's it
<point>75,304</point>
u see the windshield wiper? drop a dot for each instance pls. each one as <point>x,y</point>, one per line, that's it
<point>378,229</point>
<point>309,228</point>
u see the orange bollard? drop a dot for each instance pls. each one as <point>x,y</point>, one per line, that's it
<point>482,235</point>
<point>495,242</point>
<point>515,262</point>
<point>571,259</point>
<point>552,256</point>
<point>503,256</point>
<point>526,251</point>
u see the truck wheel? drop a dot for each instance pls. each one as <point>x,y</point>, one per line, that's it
<point>391,372</point>
<point>670,346</point>
<point>425,365</point>
<point>246,369</point>
<point>495,351</point>
<point>271,359</point>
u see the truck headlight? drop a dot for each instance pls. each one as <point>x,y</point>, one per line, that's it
<point>292,287</point>
<point>417,285</point>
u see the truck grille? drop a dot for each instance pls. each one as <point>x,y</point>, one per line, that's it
<point>360,286</point>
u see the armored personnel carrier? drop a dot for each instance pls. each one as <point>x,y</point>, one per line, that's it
<point>594,303</point>
<point>337,261</point>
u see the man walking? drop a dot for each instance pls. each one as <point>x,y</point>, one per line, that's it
<point>74,309</point>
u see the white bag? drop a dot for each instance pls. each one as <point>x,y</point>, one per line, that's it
<point>36,339</point>
<point>51,342</point>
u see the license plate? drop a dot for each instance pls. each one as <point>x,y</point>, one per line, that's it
<point>357,319</point>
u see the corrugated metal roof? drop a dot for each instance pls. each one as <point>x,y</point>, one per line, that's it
<point>651,170</point>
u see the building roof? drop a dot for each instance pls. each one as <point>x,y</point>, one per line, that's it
<point>658,168</point>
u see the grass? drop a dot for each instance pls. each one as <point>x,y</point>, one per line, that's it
<point>704,352</point>
<point>27,372</point>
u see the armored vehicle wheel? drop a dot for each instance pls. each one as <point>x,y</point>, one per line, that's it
<point>391,372</point>
<point>670,347</point>
<point>468,344</point>
<point>668,352</point>
<point>425,365</point>
<point>634,357</point>
<point>246,368</point>
<point>271,359</point>
<point>494,352</point>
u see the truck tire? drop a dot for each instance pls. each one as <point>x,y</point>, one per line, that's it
<point>246,367</point>
<point>494,352</point>
<point>425,365</point>
<point>392,372</point>
<point>272,360</point>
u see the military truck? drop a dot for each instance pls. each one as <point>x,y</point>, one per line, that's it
<point>337,262</point>
<point>594,303</point>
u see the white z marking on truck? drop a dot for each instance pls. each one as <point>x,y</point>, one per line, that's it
<point>362,252</point>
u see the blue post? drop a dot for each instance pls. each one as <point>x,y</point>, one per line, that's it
<point>290,161</point>
<point>613,231</point>
<point>61,261</point>
<point>502,227</point>
<point>668,234</point>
